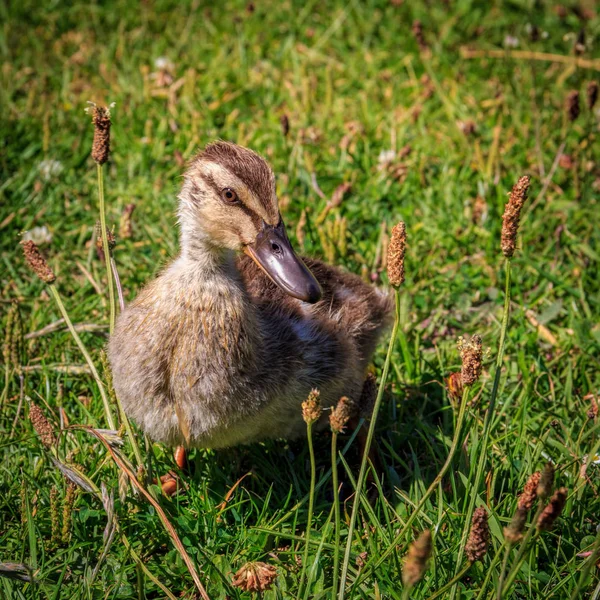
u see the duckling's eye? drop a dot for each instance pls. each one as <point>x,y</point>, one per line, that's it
<point>229,195</point>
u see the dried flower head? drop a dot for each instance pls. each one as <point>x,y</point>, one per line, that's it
<point>368,395</point>
<point>416,560</point>
<point>454,387</point>
<point>395,255</point>
<point>101,121</point>
<point>553,509</point>
<point>110,237</point>
<point>479,537</point>
<point>255,577</point>
<point>41,425</point>
<point>125,226</point>
<point>514,532</point>
<point>285,124</point>
<point>512,215</point>
<point>572,105</point>
<point>341,414</point>
<point>471,354</point>
<point>529,495</point>
<point>54,515</point>
<point>591,94</point>
<point>417,29</point>
<point>37,262</point>
<point>68,503</point>
<point>546,483</point>
<point>311,407</point>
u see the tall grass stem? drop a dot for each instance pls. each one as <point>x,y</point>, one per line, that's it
<point>488,419</point>
<point>336,509</point>
<point>363,465</point>
<point>86,355</point>
<point>311,504</point>
<point>106,249</point>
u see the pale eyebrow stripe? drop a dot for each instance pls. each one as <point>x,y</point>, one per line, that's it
<point>247,198</point>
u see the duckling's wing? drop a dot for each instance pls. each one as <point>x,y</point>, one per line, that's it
<point>348,303</point>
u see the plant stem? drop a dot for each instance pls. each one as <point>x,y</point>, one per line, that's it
<point>371,431</point>
<point>454,580</point>
<point>503,572</point>
<point>336,508</point>
<point>88,358</point>
<point>455,443</point>
<point>311,503</point>
<point>488,418</point>
<point>591,561</point>
<point>490,570</point>
<point>512,573</point>
<point>106,249</point>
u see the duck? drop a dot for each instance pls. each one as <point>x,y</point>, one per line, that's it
<point>223,346</point>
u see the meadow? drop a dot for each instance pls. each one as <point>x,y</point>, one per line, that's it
<point>370,113</point>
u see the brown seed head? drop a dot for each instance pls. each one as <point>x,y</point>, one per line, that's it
<point>514,532</point>
<point>553,509</point>
<point>37,262</point>
<point>101,143</point>
<point>341,414</point>
<point>417,29</point>
<point>512,215</point>
<point>125,226</point>
<point>255,577</point>
<point>41,425</point>
<point>285,124</point>
<point>572,105</point>
<point>110,236</point>
<point>454,387</point>
<point>395,255</point>
<point>311,407</point>
<point>529,495</point>
<point>416,560</point>
<point>546,483</point>
<point>479,537</point>
<point>67,510</point>
<point>471,353</point>
<point>591,94</point>
<point>368,395</point>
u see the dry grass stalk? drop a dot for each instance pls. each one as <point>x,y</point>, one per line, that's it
<point>37,262</point>
<point>512,215</point>
<point>311,407</point>
<point>471,354</point>
<point>529,495</point>
<point>41,425</point>
<point>395,255</point>
<point>479,537</point>
<point>255,577</point>
<point>591,94</point>
<point>553,509</point>
<point>572,105</point>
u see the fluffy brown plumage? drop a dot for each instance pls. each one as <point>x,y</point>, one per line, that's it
<point>212,353</point>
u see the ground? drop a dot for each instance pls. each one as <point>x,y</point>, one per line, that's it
<point>429,124</point>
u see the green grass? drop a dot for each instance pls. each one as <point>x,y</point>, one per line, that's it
<point>353,83</point>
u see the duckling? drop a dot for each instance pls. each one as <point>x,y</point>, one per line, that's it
<point>225,344</point>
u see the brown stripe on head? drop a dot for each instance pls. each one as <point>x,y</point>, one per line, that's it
<point>252,170</point>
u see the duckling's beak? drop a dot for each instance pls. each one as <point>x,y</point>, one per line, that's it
<point>274,254</point>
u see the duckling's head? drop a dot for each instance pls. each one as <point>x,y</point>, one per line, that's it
<point>228,202</point>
